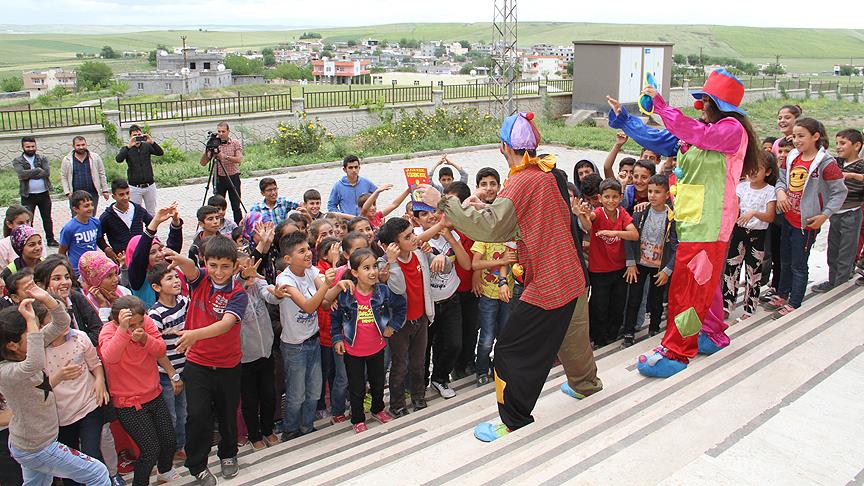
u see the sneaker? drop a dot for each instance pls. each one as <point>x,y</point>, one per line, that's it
<point>230,468</point>
<point>53,243</point>
<point>205,478</point>
<point>170,475</point>
<point>822,287</point>
<point>337,419</point>
<point>629,340</point>
<point>286,436</point>
<point>117,480</point>
<point>775,304</point>
<point>321,414</point>
<point>361,427</point>
<point>767,295</point>
<point>860,282</point>
<point>487,432</point>
<point>382,416</point>
<point>783,311</point>
<point>567,390</point>
<point>443,389</point>
<point>482,380</point>
<point>398,412</point>
<point>419,404</point>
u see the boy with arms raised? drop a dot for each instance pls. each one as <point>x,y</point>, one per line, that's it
<point>211,342</point>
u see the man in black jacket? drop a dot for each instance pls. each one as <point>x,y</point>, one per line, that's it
<point>123,219</point>
<point>136,153</point>
<point>34,174</point>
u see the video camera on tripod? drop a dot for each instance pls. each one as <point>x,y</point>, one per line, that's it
<point>213,142</point>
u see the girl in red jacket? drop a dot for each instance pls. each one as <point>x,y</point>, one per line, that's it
<point>130,344</point>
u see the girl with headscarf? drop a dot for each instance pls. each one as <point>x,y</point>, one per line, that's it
<point>17,215</point>
<point>27,244</point>
<point>101,279</point>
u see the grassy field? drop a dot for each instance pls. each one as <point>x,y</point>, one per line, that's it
<point>803,50</point>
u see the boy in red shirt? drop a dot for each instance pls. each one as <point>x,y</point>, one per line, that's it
<point>410,275</point>
<point>610,225</point>
<point>211,341</point>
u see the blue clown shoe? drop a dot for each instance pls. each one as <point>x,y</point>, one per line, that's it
<point>707,346</point>
<point>487,432</point>
<point>565,389</point>
<point>658,366</point>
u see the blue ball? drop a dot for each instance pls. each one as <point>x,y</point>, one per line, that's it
<point>678,172</point>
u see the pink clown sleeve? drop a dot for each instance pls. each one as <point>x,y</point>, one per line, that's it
<point>725,136</point>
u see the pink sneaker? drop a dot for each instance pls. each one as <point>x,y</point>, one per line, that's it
<point>361,427</point>
<point>337,419</point>
<point>382,416</point>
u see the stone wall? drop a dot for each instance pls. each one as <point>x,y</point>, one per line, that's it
<point>190,134</point>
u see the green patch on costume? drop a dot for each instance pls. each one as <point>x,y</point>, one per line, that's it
<point>699,195</point>
<point>688,323</point>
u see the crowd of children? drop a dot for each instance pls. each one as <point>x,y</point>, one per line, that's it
<point>327,309</point>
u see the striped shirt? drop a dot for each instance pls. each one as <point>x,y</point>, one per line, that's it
<point>168,321</point>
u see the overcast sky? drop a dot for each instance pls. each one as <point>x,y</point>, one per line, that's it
<point>836,14</point>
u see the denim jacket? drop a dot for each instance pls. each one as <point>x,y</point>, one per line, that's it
<point>388,308</point>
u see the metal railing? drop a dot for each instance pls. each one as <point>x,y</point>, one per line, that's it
<point>183,109</point>
<point>44,118</point>
<point>366,96</point>
<point>478,90</point>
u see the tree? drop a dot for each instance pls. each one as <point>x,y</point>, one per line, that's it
<point>569,68</point>
<point>352,43</point>
<point>310,35</point>
<point>466,69</point>
<point>291,71</point>
<point>327,53</point>
<point>774,69</point>
<point>465,44</point>
<point>377,70</point>
<point>848,71</point>
<point>93,75</point>
<point>240,66</point>
<point>440,51</point>
<point>269,56</point>
<point>11,84</point>
<point>151,57</point>
<point>679,59</point>
<point>108,53</point>
<point>118,88</point>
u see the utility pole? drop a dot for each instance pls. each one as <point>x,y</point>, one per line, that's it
<point>502,78</point>
<point>185,70</point>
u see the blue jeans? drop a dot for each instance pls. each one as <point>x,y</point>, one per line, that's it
<point>333,370</point>
<point>302,385</point>
<point>492,314</point>
<point>176,407</point>
<point>795,247</point>
<point>40,467</point>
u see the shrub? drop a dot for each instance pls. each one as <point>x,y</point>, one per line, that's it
<point>172,153</point>
<point>305,137</point>
<point>417,129</point>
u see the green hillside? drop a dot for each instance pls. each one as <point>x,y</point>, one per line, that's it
<point>802,49</point>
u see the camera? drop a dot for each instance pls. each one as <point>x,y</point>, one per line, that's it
<point>213,142</point>
<point>140,138</point>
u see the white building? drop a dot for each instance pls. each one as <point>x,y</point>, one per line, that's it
<point>37,82</point>
<point>538,67</point>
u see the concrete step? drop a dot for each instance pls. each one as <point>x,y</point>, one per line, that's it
<point>676,430</point>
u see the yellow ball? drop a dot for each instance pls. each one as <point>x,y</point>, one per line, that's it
<point>518,270</point>
<point>673,190</point>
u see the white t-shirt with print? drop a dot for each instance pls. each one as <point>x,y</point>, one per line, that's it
<point>443,285</point>
<point>754,200</point>
<point>297,326</point>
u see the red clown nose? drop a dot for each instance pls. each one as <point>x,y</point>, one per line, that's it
<point>698,104</point>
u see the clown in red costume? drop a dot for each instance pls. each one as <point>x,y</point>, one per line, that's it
<point>715,151</point>
<point>551,317</point>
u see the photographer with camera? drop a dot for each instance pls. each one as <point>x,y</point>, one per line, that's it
<point>227,154</point>
<point>136,153</point>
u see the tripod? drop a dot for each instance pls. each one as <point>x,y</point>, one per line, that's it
<point>212,176</point>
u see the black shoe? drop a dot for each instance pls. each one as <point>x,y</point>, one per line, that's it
<point>629,340</point>
<point>398,412</point>
<point>419,404</point>
<point>205,478</point>
<point>53,243</point>
<point>286,436</point>
<point>860,282</point>
<point>482,380</point>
